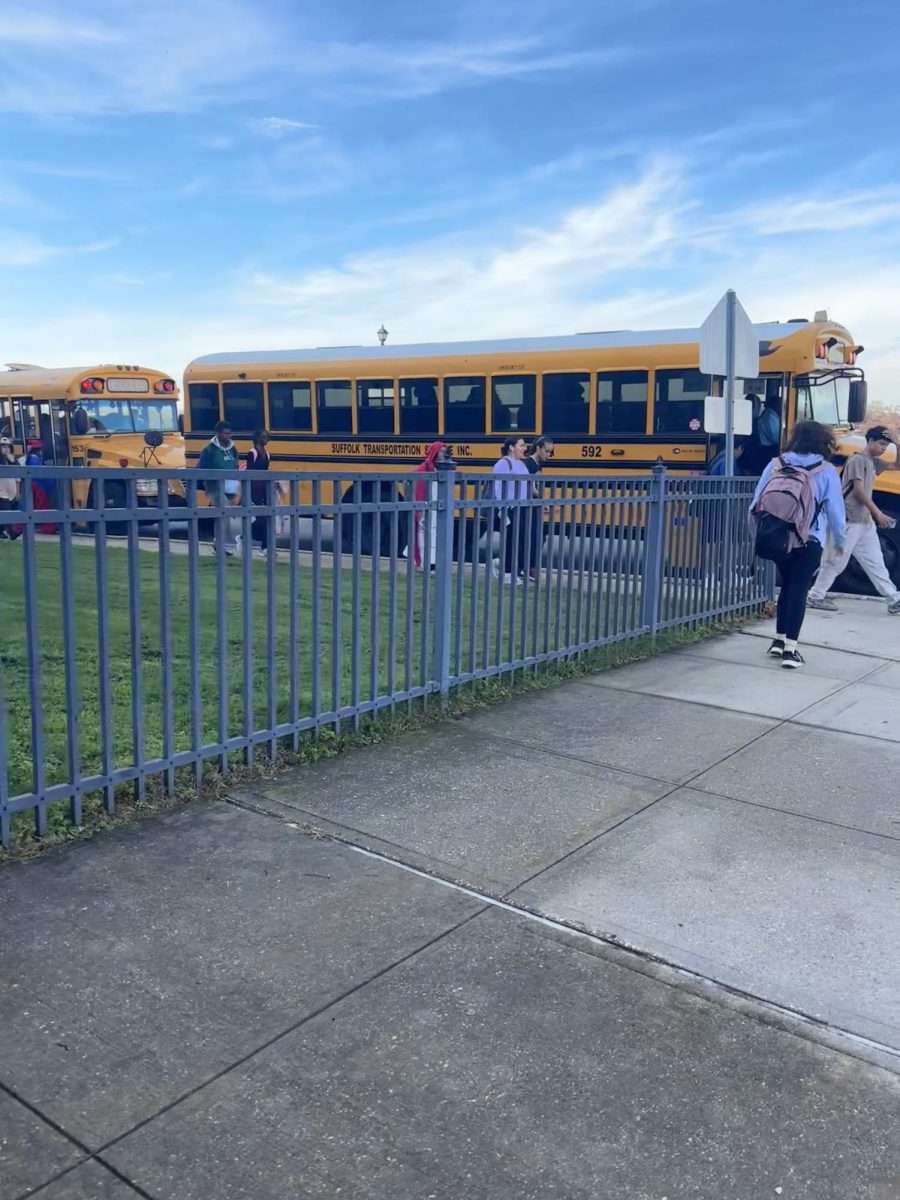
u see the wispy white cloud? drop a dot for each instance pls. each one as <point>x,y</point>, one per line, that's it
<point>40,27</point>
<point>279,127</point>
<point>27,250</point>
<point>163,56</point>
<point>816,214</point>
<point>215,142</point>
<point>168,56</point>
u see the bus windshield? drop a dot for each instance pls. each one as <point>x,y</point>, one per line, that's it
<point>827,402</point>
<point>108,415</point>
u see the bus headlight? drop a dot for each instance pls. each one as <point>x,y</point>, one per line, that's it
<point>146,487</point>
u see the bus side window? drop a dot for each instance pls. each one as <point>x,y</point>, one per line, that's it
<point>334,406</point>
<point>464,404</point>
<point>243,406</point>
<point>512,403</point>
<point>622,402</point>
<point>203,402</point>
<point>375,406</point>
<point>566,407</point>
<point>290,406</point>
<point>679,401</point>
<point>419,406</point>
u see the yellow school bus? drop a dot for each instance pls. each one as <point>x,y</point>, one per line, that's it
<point>100,416</point>
<point>617,402</point>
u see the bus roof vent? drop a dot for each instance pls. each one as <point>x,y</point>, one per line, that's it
<point>23,367</point>
<point>798,320</point>
<point>821,315</point>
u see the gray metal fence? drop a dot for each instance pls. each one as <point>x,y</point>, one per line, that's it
<point>136,644</point>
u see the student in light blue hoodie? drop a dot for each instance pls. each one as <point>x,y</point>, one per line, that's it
<point>811,446</point>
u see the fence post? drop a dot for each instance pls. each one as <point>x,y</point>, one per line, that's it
<point>443,582</point>
<point>654,551</point>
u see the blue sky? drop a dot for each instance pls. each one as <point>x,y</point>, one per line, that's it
<point>179,177</point>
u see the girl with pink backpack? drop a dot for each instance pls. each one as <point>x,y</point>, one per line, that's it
<point>797,499</point>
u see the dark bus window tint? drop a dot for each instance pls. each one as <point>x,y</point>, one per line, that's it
<point>464,404</point>
<point>513,403</point>
<point>622,402</point>
<point>375,406</point>
<point>243,405</point>
<point>566,407</point>
<point>290,406</point>
<point>679,401</point>
<point>203,404</point>
<point>419,406</point>
<point>334,406</point>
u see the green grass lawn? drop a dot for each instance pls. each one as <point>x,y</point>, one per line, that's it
<point>362,656</point>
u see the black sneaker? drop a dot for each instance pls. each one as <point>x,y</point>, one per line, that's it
<point>792,659</point>
<point>777,648</point>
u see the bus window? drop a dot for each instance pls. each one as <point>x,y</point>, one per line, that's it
<point>107,415</point>
<point>334,406</point>
<point>622,402</point>
<point>290,406</point>
<point>419,406</point>
<point>513,403</point>
<point>464,404</point>
<point>679,401</point>
<point>566,408</point>
<point>375,406</point>
<point>243,406</point>
<point>203,401</point>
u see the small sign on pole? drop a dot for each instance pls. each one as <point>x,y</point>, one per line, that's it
<point>729,346</point>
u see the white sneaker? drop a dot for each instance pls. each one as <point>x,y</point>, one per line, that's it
<point>495,567</point>
<point>507,578</point>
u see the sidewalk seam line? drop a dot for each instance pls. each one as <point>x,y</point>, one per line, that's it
<point>311,1016</point>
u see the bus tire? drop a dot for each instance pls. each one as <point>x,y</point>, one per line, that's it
<point>115,495</point>
<point>890,548</point>
<point>367,493</point>
<point>853,578</point>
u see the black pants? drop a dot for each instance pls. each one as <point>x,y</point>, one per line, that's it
<point>8,532</point>
<point>797,572</point>
<point>261,529</point>
<point>517,542</point>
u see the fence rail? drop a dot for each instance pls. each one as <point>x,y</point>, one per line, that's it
<point>135,643</point>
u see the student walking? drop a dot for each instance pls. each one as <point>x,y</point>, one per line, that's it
<point>437,457</point>
<point>540,455</point>
<point>864,519</point>
<point>511,484</point>
<point>220,454</point>
<point>258,459</point>
<point>797,499</point>
<point>9,488</point>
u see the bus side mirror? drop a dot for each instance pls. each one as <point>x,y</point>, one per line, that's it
<point>153,438</point>
<point>858,402</point>
<point>80,421</point>
<point>181,424</point>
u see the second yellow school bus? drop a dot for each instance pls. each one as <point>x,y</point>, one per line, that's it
<point>617,402</point>
<point>107,415</point>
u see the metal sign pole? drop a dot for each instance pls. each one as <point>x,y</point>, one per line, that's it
<point>729,382</point>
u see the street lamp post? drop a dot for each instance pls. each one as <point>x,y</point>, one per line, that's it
<point>382,335</point>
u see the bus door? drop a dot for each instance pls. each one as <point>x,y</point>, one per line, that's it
<point>41,425</point>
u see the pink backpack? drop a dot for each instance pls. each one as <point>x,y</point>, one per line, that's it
<point>786,510</point>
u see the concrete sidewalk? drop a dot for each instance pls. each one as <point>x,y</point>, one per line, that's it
<point>632,937</point>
